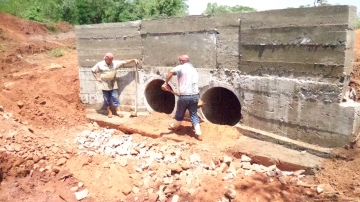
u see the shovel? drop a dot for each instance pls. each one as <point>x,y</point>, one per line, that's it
<point>168,88</point>
<point>134,113</point>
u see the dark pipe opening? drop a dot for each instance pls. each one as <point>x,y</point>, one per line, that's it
<point>159,100</point>
<point>221,106</point>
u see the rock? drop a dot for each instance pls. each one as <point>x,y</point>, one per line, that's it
<point>126,190</point>
<point>320,188</point>
<point>29,163</point>
<point>11,134</point>
<point>74,189</point>
<point>175,198</point>
<point>48,167</point>
<point>230,193</point>
<point>36,158</point>
<point>245,158</point>
<point>61,162</point>
<point>282,179</point>
<point>299,172</point>
<point>176,168</point>
<point>106,165</point>
<point>55,149</point>
<point>212,165</point>
<point>54,66</point>
<point>133,152</point>
<point>20,104</point>
<point>168,180</point>
<point>270,173</point>
<point>194,158</point>
<point>227,159</point>
<point>42,169</point>
<point>81,194</point>
<point>123,162</point>
<point>80,184</point>
<point>56,169</point>
<point>285,193</point>
<point>135,190</point>
<point>1,109</point>
<point>246,165</point>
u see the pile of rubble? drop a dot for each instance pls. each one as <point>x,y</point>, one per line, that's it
<point>173,165</point>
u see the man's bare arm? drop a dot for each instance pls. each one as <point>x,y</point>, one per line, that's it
<point>136,61</point>
<point>169,76</point>
<point>96,76</point>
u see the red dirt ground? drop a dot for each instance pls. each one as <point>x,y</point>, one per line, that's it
<point>42,95</point>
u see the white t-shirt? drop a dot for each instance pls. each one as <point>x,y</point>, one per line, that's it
<point>188,78</point>
<point>108,73</point>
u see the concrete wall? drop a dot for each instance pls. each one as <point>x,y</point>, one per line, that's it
<point>289,68</point>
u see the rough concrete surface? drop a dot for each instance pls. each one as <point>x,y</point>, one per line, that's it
<point>287,69</point>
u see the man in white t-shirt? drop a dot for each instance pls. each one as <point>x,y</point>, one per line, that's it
<point>105,73</point>
<point>188,78</point>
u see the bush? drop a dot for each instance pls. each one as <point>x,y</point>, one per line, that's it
<point>58,52</point>
<point>358,24</point>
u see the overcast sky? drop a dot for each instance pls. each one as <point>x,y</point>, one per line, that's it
<point>196,7</point>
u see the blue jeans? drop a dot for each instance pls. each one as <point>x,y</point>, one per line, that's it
<point>187,102</point>
<point>111,95</point>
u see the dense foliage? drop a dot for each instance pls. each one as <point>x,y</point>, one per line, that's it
<point>93,11</point>
<point>213,8</point>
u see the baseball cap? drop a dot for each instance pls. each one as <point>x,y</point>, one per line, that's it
<point>109,55</point>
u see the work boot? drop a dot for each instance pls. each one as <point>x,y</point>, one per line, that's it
<point>175,125</point>
<point>117,109</point>
<point>198,132</point>
<point>109,111</point>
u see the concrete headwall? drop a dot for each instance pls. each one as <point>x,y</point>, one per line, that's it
<point>289,69</point>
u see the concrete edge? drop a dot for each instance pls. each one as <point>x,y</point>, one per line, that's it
<point>268,153</point>
<point>284,141</point>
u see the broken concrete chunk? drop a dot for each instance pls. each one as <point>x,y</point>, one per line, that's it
<point>299,172</point>
<point>230,193</point>
<point>245,158</point>
<point>320,188</point>
<point>81,194</point>
<point>270,173</point>
<point>80,184</point>
<point>61,162</point>
<point>74,189</point>
<point>175,198</point>
<point>282,179</point>
<point>136,190</point>
<point>227,159</point>
<point>194,158</point>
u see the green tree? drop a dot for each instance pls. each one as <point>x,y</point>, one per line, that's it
<point>93,11</point>
<point>213,8</point>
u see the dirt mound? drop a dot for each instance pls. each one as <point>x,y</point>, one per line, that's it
<point>356,65</point>
<point>36,86</point>
<point>18,27</point>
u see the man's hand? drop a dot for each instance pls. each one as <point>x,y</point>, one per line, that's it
<point>136,61</point>
<point>165,87</point>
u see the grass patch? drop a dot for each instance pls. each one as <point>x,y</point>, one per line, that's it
<point>58,52</point>
<point>50,26</point>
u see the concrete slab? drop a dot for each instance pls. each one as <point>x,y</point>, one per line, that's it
<point>267,154</point>
<point>284,141</point>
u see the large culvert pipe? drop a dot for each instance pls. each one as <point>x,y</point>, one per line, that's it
<point>221,106</point>
<point>159,100</point>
